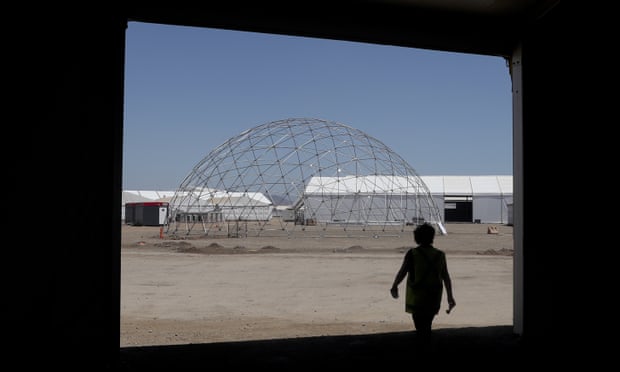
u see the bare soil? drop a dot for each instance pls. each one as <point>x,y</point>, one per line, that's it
<point>208,290</point>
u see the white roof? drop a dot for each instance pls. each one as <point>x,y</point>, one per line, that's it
<point>505,184</point>
<point>434,183</point>
<point>148,195</point>
<point>362,184</point>
<point>468,185</point>
<point>138,196</point>
<point>457,185</point>
<point>213,196</point>
<point>438,185</point>
<point>130,197</point>
<point>442,185</point>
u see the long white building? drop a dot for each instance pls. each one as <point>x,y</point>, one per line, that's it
<point>472,199</point>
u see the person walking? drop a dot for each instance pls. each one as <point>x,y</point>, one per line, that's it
<point>426,270</point>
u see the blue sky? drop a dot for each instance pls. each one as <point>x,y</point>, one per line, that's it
<point>188,90</point>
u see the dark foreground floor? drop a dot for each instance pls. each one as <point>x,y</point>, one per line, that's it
<point>496,347</point>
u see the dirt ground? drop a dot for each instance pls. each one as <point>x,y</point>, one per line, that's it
<point>196,291</point>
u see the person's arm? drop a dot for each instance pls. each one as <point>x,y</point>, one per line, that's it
<point>400,275</point>
<point>447,282</point>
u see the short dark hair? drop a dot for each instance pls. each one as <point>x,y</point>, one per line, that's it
<point>424,234</point>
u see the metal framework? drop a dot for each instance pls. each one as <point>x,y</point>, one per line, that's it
<point>301,176</point>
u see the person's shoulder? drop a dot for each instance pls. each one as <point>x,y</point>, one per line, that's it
<point>418,250</point>
<point>442,255</point>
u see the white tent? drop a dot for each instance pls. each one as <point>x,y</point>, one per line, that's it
<point>487,196</point>
<point>368,200</point>
<point>484,199</point>
<point>234,206</point>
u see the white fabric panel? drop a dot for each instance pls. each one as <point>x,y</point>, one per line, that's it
<point>152,195</point>
<point>439,202</point>
<point>363,185</point>
<point>457,185</point>
<point>133,197</point>
<point>434,184</point>
<point>488,209</point>
<point>362,209</point>
<point>505,184</point>
<point>485,185</point>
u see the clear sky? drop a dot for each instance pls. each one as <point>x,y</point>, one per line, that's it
<point>188,90</point>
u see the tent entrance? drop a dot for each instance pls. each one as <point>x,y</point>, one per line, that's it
<point>458,208</point>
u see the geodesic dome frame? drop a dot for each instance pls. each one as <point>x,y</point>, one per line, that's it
<point>300,175</point>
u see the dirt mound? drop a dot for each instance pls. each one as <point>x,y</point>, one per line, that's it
<point>354,248</point>
<point>180,246</point>
<point>215,248</point>
<point>494,252</point>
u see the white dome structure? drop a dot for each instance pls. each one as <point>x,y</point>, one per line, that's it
<point>301,175</point>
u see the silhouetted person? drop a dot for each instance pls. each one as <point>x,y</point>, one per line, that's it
<point>427,274</point>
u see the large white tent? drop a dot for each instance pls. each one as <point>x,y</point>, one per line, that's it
<point>369,200</point>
